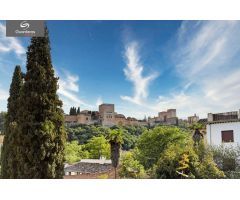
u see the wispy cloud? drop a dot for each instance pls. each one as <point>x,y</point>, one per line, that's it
<point>99,101</point>
<point>207,59</point>
<point>10,44</point>
<point>69,90</point>
<point>134,73</point>
<point>3,95</point>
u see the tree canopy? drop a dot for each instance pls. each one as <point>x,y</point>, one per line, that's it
<point>98,147</point>
<point>153,142</point>
<point>75,152</point>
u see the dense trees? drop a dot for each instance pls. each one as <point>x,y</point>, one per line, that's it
<point>168,152</point>
<point>95,148</point>
<point>130,167</point>
<point>182,160</point>
<point>153,142</point>
<point>98,147</point>
<point>160,152</point>
<point>9,150</point>
<point>227,159</point>
<point>74,111</point>
<point>75,152</point>
<point>41,135</point>
<point>83,133</point>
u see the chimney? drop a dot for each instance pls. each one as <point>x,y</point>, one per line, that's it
<point>210,117</point>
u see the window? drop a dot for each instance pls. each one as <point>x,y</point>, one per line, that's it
<point>227,136</point>
<point>165,118</point>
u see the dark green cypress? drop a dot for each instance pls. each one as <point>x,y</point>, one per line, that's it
<point>74,110</point>
<point>9,150</point>
<point>41,133</point>
<point>78,110</point>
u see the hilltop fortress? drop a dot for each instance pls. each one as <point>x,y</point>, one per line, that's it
<point>106,116</point>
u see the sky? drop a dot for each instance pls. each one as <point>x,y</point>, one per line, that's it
<point>143,67</point>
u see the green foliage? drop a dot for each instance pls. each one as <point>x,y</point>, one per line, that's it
<point>116,136</point>
<point>227,160</point>
<point>83,133</point>
<point>129,140</point>
<point>175,162</point>
<point>98,147</point>
<point>182,160</point>
<point>9,149</point>
<point>196,125</point>
<point>183,165</point>
<point>75,152</point>
<point>130,167</point>
<point>41,135</point>
<point>2,121</point>
<point>134,130</point>
<point>153,142</point>
<point>103,176</point>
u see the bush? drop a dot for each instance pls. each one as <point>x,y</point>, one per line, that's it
<point>98,147</point>
<point>130,167</point>
<point>227,159</point>
<point>103,176</point>
<point>74,152</point>
<point>182,160</point>
<point>152,143</point>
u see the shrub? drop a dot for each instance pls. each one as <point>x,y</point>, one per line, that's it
<point>152,143</point>
<point>227,159</point>
<point>183,160</point>
<point>130,167</point>
<point>75,152</point>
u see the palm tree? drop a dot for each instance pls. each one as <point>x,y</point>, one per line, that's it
<point>115,140</point>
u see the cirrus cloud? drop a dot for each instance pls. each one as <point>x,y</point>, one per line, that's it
<point>134,73</point>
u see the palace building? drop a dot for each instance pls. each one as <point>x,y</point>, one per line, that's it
<point>168,117</point>
<point>106,116</point>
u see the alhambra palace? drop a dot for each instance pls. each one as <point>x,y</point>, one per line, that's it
<point>106,116</point>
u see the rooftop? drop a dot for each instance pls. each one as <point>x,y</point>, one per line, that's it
<point>99,161</point>
<point>224,121</point>
<point>90,166</point>
<point>233,116</point>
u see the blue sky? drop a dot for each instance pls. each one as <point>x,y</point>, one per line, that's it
<point>143,67</point>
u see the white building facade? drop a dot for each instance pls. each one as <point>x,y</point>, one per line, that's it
<point>223,129</point>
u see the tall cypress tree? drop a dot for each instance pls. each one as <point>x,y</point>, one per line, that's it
<point>74,111</point>
<point>78,110</point>
<point>42,135</point>
<point>9,150</point>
